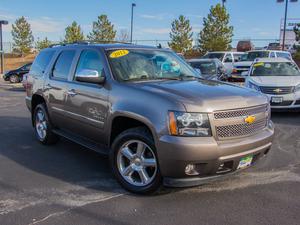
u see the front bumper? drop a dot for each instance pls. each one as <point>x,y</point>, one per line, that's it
<point>207,154</point>
<point>289,101</point>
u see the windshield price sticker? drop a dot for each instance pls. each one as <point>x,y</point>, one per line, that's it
<point>119,53</point>
<point>258,64</point>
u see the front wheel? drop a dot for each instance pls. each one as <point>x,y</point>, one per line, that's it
<point>134,161</point>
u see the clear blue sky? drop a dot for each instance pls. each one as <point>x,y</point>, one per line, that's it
<point>259,19</point>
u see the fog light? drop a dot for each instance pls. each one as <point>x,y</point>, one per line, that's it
<point>190,170</point>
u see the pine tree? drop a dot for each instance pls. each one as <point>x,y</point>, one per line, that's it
<point>73,33</point>
<point>216,34</point>
<point>22,36</point>
<point>103,30</point>
<point>181,35</point>
<point>41,44</point>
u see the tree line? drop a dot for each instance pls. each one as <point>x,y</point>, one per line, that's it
<point>216,34</point>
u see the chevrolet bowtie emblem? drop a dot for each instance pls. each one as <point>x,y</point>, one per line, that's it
<point>250,119</point>
<point>278,90</point>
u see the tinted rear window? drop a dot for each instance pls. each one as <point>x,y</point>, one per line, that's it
<point>41,62</point>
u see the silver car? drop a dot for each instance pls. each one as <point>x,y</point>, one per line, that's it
<point>278,78</point>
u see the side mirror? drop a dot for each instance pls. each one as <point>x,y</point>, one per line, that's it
<point>90,76</point>
<point>245,73</point>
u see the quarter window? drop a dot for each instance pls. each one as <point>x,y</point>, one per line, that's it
<point>41,62</point>
<point>89,60</point>
<point>63,64</point>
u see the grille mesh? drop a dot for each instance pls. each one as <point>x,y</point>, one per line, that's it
<point>238,130</point>
<point>240,112</point>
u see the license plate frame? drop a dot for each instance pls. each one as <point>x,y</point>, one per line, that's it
<point>277,100</point>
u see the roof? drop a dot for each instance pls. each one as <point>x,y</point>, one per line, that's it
<point>272,60</point>
<point>227,52</point>
<point>104,46</point>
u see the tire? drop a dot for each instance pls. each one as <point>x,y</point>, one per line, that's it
<point>42,126</point>
<point>140,166</point>
<point>14,79</point>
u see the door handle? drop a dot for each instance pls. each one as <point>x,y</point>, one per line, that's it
<point>71,92</point>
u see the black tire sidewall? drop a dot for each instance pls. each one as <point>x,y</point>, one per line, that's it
<point>134,134</point>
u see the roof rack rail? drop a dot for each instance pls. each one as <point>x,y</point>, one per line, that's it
<point>86,42</point>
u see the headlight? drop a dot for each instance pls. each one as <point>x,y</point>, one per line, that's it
<point>297,88</point>
<point>189,124</point>
<point>253,86</point>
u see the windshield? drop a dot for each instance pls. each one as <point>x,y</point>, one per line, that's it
<point>275,69</point>
<point>208,68</point>
<point>219,56</point>
<point>148,64</point>
<point>251,56</point>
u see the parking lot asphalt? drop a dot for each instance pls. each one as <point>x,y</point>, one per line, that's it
<point>68,184</point>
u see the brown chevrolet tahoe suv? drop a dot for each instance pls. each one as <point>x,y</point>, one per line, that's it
<point>158,121</point>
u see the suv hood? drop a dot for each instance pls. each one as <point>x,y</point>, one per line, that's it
<point>204,95</point>
<point>277,81</point>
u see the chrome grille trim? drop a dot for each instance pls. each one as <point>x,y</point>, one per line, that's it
<point>274,90</point>
<point>238,130</point>
<point>235,113</point>
<point>231,123</point>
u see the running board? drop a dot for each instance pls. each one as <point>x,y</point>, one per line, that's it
<point>82,141</point>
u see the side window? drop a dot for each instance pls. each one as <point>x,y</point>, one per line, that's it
<point>63,64</point>
<point>237,57</point>
<point>272,55</point>
<point>89,61</point>
<point>228,58</point>
<point>284,55</point>
<point>41,62</point>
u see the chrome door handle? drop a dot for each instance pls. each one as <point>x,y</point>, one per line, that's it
<point>71,92</point>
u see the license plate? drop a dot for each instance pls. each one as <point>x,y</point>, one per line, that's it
<point>245,162</point>
<point>277,99</point>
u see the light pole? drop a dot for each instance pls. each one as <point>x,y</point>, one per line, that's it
<point>285,18</point>
<point>131,27</point>
<point>2,22</point>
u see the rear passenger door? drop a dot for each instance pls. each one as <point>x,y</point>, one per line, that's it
<point>88,102</point>
<point>56,86</point>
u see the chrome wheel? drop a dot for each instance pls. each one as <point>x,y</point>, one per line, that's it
<point>137,163</point>
<point>41,124</point>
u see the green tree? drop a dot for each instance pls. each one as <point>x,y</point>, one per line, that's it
<point>103,30</point>
<point>181,35</point>
<point>41,44</point>
<point>216,34</point>
<point>73,33</point>
<point>22,36</point>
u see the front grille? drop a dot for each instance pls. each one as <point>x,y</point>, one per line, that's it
<point>241,112</point>
<point>277,90</point>
<point>238,130</point>
<point>231,123</point>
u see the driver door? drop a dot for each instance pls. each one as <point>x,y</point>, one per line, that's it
<point>87,103</point>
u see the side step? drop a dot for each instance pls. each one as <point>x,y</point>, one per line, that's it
<point>82,141</point>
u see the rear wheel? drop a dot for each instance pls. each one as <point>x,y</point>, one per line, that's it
<point>42,126</point>
<point>14,79</point>
<point>134,161</point>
